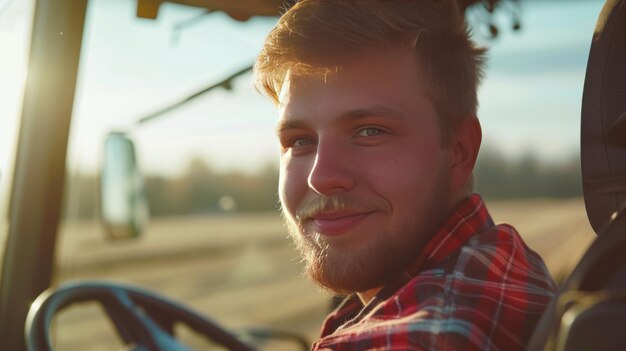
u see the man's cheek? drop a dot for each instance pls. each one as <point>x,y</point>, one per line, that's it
<point>291,188</point>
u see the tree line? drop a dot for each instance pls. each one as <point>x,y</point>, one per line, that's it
<point>497,177</point>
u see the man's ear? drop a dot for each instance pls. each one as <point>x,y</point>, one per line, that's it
<point>464,147</point>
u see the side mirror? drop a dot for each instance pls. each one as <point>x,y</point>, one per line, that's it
<point>123,206</point>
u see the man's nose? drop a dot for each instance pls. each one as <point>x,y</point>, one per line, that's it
<point>332,171</point>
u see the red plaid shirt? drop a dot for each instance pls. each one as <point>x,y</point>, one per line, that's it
<point>476,286</point>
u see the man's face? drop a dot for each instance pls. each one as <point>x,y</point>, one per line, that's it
<point>364,179</point>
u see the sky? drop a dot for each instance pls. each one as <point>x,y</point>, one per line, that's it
<point>529,100</point>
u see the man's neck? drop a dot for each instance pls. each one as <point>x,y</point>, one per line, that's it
<point>455,201</point>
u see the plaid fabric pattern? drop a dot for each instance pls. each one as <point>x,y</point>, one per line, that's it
<point>476,286</point>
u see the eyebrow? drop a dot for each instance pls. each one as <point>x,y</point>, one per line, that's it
<point>381,111</point>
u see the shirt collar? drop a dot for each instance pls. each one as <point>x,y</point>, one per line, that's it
<point>470,217</point>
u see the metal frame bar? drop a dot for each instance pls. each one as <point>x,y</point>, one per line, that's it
<point>37,194</point>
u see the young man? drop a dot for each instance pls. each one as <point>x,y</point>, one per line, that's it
<point>377,122</point>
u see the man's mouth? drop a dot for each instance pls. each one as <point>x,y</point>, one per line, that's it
<point>336,223</point>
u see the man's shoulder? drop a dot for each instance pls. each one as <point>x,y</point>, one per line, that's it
<point>498,254</point>
<point>493,290</point>
<point>495,258</point>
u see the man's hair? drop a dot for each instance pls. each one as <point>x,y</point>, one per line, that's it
<point>310,35</point>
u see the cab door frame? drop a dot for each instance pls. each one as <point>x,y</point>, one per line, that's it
<point>35,206</point>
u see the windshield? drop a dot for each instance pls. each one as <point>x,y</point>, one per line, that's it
<point>215,240</point>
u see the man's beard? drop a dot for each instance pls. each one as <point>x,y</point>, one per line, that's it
<point>380,257</point>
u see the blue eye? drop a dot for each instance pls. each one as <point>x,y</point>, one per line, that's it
<point>370,131</point>
<point>301,142</point>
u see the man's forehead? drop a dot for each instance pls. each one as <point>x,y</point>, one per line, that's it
<point>290,82</point>
<point>299,90</point>
<point>323,69</point>
<point>311,74</point>
<point>374,71</point>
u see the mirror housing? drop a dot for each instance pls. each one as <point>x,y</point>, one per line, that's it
<point>123,205</point>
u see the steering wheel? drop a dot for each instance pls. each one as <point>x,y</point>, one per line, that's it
<point>142,318</point>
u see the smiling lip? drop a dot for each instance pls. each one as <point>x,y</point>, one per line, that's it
<point>337,223</point>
